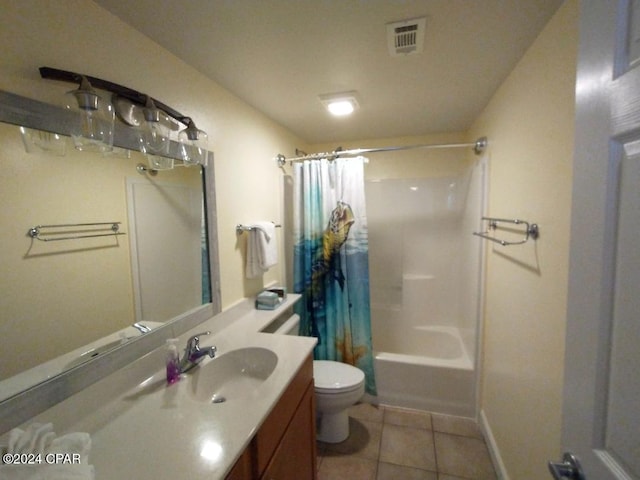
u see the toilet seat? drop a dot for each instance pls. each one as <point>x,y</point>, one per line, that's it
<point>334,377</point>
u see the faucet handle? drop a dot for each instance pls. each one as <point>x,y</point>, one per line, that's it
<point>194,342</point>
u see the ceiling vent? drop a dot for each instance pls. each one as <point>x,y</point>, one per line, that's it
<point>406,37</point>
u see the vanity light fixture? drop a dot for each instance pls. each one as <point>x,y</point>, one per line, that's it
<point>156,132</point>
<point>193,144</point>
<point>92,130</point>
<point>340,104</point>
<point>151,120</point>
<point>158,162</point>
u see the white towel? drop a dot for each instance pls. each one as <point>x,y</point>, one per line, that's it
<point>262,249</point>
<point>40,439</point>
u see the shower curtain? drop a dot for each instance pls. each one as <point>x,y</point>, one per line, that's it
<point>331,261</point>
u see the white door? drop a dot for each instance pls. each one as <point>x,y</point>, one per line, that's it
<point>601,413</point>
<point>165,235</point>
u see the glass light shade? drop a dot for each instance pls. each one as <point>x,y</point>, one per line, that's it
<point>156,135</point>
<point>93,128</point>
<point>193,145</point>
<point>118,152</point>
<point>157,162</point>
<point>47,142</point>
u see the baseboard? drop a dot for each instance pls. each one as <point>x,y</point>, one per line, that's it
<point>494,451</point>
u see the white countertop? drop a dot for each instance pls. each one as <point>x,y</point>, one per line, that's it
<point>144,429</point>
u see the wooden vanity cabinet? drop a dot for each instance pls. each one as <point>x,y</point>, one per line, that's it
<point>242,468</point>
<point>285,446</point>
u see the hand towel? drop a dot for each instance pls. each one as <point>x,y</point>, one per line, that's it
<point>40,439</point>
<point>262,248</point>
<point>35,439</point>
<point>267,245</point>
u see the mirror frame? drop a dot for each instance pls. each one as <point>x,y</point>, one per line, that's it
<point>15,410</point>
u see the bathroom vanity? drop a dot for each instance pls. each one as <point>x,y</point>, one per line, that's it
<point>285,445</point>
<point>213,423</point>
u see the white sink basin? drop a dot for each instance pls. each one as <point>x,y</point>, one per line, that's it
<point>232,374</point>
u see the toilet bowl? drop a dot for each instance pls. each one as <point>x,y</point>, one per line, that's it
<point>337,387</point>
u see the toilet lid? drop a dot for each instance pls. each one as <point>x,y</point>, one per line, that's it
<point>330,376</point>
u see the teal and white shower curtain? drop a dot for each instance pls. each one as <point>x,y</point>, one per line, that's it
<point>331,261</point>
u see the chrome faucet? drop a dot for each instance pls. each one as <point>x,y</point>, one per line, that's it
<point>141,328</point>
<point>193,354</point>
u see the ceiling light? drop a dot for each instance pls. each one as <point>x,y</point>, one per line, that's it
<point>341,107</point>
<point>340,104</point>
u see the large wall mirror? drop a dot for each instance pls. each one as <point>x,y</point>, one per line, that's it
<point>97,250</point>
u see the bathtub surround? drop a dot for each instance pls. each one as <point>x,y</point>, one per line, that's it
<point>425,283</point>
<point>331,261</point>
<point>426,382</point>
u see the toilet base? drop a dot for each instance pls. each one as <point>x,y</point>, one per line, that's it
<point>333,427</point>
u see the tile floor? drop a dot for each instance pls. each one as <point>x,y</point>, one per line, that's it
<point>390,443</point>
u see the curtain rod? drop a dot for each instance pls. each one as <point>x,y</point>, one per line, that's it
<point>479,147</point>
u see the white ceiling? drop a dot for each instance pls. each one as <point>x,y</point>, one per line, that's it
<point>279,55</point>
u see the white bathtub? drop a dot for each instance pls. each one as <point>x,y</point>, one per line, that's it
<point>435,373</point>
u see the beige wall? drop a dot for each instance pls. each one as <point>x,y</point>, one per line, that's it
<point>80,36</point>
<point>529,123</point>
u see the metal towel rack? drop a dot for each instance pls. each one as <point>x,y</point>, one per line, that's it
<point>90,230</point>
<point>247,228</point>
<point>531,230</point>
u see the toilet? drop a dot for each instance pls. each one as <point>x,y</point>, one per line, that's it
<point>337,387</point>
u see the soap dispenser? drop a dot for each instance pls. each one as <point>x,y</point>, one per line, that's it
<point>173,361</point>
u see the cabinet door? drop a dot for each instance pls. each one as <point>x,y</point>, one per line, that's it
<point>242,468</point>
<point>295,457</point>
<point>274,427</point>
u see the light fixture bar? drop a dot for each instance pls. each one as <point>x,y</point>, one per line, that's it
<point>18,110</point>
<point>122,91</point>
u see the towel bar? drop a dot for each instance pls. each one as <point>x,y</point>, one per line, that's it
<point>246,228</point>
<point>531,230</point>
<point>113,228</point>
